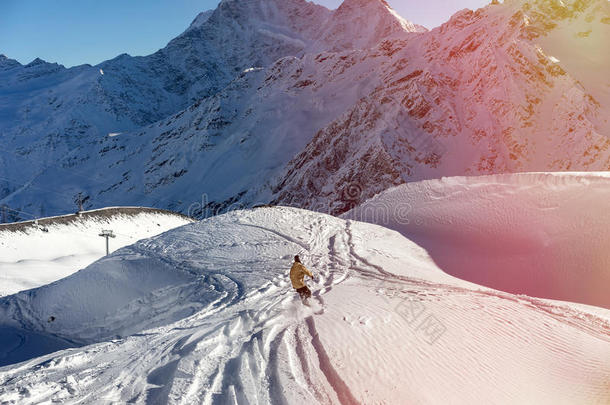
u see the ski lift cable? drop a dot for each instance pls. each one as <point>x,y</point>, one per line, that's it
<point>35,217</point>
<point>81,174</point>
<point>51,165</point>
<point>18,211</point>
<point>21,183</point>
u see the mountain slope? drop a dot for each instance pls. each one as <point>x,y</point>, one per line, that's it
<point>47,111</point>
<point>55,117</point>
<point>224,149</point>
<point>213,319</point>
<point>478,95</point>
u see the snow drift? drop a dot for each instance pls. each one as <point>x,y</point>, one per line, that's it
<point>205,314</point>
<point>540,234</point>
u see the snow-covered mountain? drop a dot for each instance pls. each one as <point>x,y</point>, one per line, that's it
<point>482,94</point>
<point>287,102</point>
<point>47,111</point>
<point>133,91</point>
<point>41,252</point>
<point>52,119</point>
<point>204,314</point>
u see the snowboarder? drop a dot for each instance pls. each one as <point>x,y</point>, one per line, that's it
<point>297,276</point>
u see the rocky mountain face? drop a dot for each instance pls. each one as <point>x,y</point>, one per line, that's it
<point>284,101</point>
<point>490,91</point>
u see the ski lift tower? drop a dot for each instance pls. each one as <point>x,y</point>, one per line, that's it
<point>107,234</point>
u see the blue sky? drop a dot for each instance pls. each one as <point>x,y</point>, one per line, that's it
<point>74,32</point>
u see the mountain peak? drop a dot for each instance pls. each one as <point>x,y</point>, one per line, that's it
<point>7,63</point>
<point>365,3</point>
<point>362,24</point>
<point>349,6</point>
<point>376,6</point>
<point>36,62</point>
<point>201,18</point>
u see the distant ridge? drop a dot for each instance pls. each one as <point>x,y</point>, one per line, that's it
<point>84,215</point>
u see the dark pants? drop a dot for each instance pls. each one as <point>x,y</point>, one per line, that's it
<point>304,292</point>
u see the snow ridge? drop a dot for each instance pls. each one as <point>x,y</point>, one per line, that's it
<point>540,234</point>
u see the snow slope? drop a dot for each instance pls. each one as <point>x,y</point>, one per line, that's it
<point>32,256</point>
<point>541,234</point>
<point>205,314</point>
